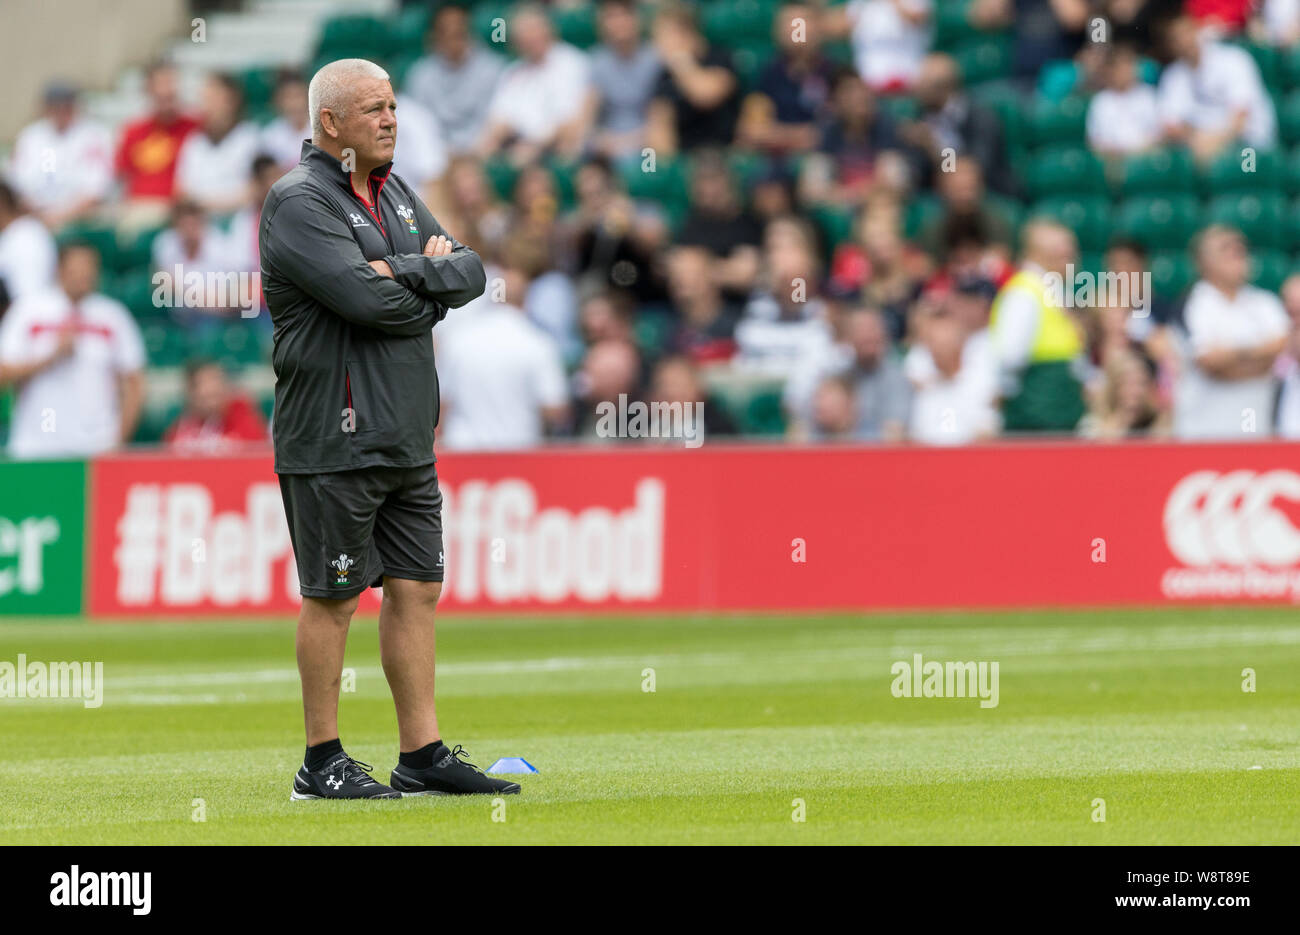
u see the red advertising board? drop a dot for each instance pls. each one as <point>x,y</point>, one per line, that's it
<point>721,528</point>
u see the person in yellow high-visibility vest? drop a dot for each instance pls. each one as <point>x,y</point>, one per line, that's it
<point>1038,342</point>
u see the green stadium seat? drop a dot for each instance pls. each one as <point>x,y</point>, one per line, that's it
<point>1289,68</point>
<point>1172,273</point>
<point>1261,218</point>
<point>748,60</point>
<point>100,236</point>
<point>952,25</point>
<point>564,174</point>
<point>406,32</point>
<point>235,345</point>
<point>899,107</point>
<point>484,24</point>
<point>734,23</point>
<point>166,344</point>
<point>353,35</point>
<point>651,333</point>
<point>1269,268</point>
<point>154,422</point>
<point>1291,174</point>
<point>835,222</point>
<point>259,87</point>
<point>1169,170</point>
<point>1087,215</point>
<point>666,185</point>
<point>1065,169</point>
<point>1007,102</point>
<point>1058,79</point>
<point>576,25</point>
<point>501,174</point>
<point>984,59</point>
<point>136,291</point>
<point>1058,123</point>
<point>920,213</point>
<point>1159,221</point>
<point>1228,172</point>
<point>1288,118</point>
<point>763,413</point>
<point>1012,212</point>
<point>136,250</point>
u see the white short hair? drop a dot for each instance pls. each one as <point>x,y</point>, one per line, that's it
<point>331,86</point>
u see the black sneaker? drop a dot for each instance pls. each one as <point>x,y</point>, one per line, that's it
<point>340,778</point>
<point>450,774</point>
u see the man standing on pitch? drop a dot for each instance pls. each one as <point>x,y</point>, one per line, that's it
<point>356,272</point>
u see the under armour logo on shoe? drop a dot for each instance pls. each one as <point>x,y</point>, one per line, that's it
<point>336,783</point>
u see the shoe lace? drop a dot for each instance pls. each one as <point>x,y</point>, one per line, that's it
<point>460,754</point>
<point>364,770</point>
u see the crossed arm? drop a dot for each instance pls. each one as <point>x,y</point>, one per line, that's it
<point>307,245</point>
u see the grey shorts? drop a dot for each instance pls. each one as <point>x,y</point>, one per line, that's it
<point>351,528</point>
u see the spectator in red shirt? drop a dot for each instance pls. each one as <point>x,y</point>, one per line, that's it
<point>216,417</point>
<point>146,155</point>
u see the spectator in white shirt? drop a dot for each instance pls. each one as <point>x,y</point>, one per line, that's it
<point>62,165</point>
<point>456,80</point>
<point>1123,118</point>
<point>1211,96</point>
<point>215,161</point>
<point>1235,333</point>
<point>1280,22</point>
<point>282,137</point>
<point>889,38</point>
<point>75,358</point>
<point>954,383</point>
<point>27,254</point>
<point>539,103</point>
<point>501,379</point>
<point>192,246</point>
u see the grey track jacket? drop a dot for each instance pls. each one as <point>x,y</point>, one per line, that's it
<point>355,384</point>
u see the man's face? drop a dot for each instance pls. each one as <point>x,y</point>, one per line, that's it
<point>79,272</point>
<point>866,335</point>
<point>163,91</point>
<point>291,102</point>
<point>532,36</point>
<point>1182,39</point>
<point>220,107</point>
<point>451,34</point>
<point>208,392</point>
<point>369,123</point>
<point>618,24</point>
<point>934,82</point>
<point>963,188</point>
<point>1224,260</point>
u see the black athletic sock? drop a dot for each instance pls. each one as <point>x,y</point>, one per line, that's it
<point>321,754</point>
<point>420,759</point>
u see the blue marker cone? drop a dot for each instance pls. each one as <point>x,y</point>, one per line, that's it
<point>512,764</point>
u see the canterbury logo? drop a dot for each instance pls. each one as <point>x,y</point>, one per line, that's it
<point>1233,518</point>
<point>342,564</point>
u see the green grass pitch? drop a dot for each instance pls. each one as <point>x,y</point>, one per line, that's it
<point>1142,709</point>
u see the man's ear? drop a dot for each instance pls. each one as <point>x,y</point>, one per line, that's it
<point>327,122</point>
